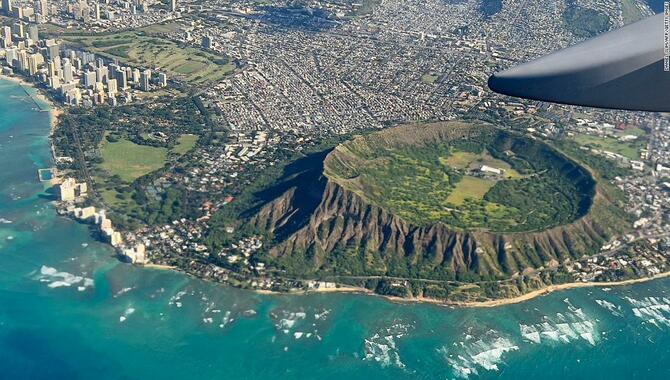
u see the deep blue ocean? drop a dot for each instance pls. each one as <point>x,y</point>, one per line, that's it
<point>656,5</point>
<point>70,310</point>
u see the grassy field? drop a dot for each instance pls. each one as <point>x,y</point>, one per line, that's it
<point>168,27</point>
<point>184,144</point>
<point>467,160</point>
<point>145,50</point>
<point>429,78</point>
<point>459,160</point>
<point>438,181</point>
<point>427,184</point>
<point>635,131</point>
<point>114,199</point>
<point>585,22</point>
<point>130,161</point>
<point>470,187</point>
<point>630,149</point>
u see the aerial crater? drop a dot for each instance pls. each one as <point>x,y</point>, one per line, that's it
<point>464,175</point>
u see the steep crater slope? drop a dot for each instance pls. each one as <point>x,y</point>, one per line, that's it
<point>441,201</point>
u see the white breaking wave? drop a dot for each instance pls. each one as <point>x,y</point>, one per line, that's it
<point>289,320</point>
<point>123,291</point>
<point>301,325</point>
<point>57,279</point>
<point>126,314</point>
<point>322,315</point>
<point>530,333</point>
<point>609,306</point>
<point>226,319</point>
<point>654,310</point>
<point>566,327</point>
<point>175,299</point>
<point>382,348</point>
<point>472,354</point>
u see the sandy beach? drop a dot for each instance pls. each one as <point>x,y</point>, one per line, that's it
<point>530,295</point>
<point>341,289</point>
<point>54,113</point>
<point>476,304</point>
<point>160,266</point>
<point>465,304</point>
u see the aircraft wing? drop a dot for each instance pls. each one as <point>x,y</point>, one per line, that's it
<point>621,69</point>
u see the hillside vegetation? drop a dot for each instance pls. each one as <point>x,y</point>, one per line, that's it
<point>334,218</point>
<point>441,179</point>
<point>584,22</point>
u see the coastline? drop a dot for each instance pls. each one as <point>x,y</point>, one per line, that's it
<point>470,304</point>
<point>341,289</point>
<point>54,110</point>
<point>159,266</point>
<point>530,295</point>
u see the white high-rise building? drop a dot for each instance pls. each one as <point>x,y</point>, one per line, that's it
<point>11,55</point>
<point>162,79</point>
<point>34,62</point>
<point>6,34</point>
<point>145,78</point>
<point>89,79</point>
<point>42,7</point>
<point>112,89</point>
<point>121,78</point>
<point>102,74</point>
<point>52,68</point>
<point>54,82</point>
<point>68,76</point>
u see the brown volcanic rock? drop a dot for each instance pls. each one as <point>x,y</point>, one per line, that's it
<point>336,218</point>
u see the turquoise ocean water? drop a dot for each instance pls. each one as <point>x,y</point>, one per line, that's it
<point>69,310</point>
